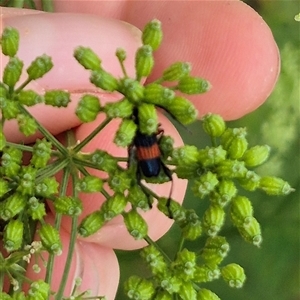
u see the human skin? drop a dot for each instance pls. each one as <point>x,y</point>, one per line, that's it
<point>226,42</point>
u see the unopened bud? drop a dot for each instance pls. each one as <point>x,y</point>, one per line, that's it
<point>234,275</point>
<point>50,239</point>
<point>205,184</point>
<point>88,108</point>
<point>12,71</point>
<point>213,125</point>
<point>91,224</point>
<point>104,80</point>
<point>256,155</point>
<point>144,61</point>
<point>193,85</point>
<point>39,67</point>
<point>13,235</point>
<point>138,288</point>
<point>152,34</point>
<point>120,109</point>
<point>70,206</point>
<point>213,220</point>
<point>113,206</point>
<point>87,58</point>
<point>148,120</point>
<point>136,225</point>
<point>275,186</point>
<point>57,98</point>
<point>10,41</point>
<point>251,233</point>
<point>241,211</point>
<point>176,71</point>
<point>29,97</point>
<point>205,294</point>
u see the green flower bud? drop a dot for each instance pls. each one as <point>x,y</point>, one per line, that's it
<point>234,275</point>
<point>206,273</point>
<point>251,232</point>
<point>163,295</point>
<point>36,209</point>
<point>17,296</point>
<point>256,155</point>
<point>205,184</point>
<point>136,225</point>
<point>5,296</point>
<point>113,206</point>
<point>183,110</point>
<point>158,95</point>
<point>47,187</point>
<point>205,294</point>
<point>211,156</point>
<point>120,181</point>
<point>91,224</point>
<point>241,211</point>
<point>184,265</point>
<point>137,198</point>
<point>126,133</point>
<point>50,239</point>
<point>191,227</point>
<point>275,186</point>
<point>139,288</point>
<point>12,71</point>
<point>176,71</point>
<point>166,143</point>
<point>104,80</point>
<point>10,110</point>
<point>57,98</point>
<point>152,34</point>
<point>70,206</point>
<point>121,54</point>
<point>148,120</point>
<point>213,125</point>
<point>144,61</point>
<point>27,125</point>
<point>29,97</point>
<point>10,41</point>
<point>39,290</point>
<point>170,284</point>
<point>226,190</point>
<point>87,58</point>
<point>193,85</point>
<point>234,141</point>
<point>187,291</point>
<point>13,235</point>
<point>185,155</point>
<point>4,187</point>
<point>89,184</point>
<point>39,67</point>
<point>189,171</point>
<point>215,250</point>
<point>231,169</point>
<point>175,210</point>
<point>120,109</point>
<point>41,153</point>
<point>11,161</point>
<point>103,161</point>
<point>250,182</point>
<point>213,220</point>
<point>27,180</point>
<point>154,260</point>
<point>132,90</point>
<point>88,108</point>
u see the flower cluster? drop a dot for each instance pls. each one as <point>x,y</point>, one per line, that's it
<point>219,172</point>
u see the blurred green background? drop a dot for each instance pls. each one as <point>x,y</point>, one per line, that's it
<point>272,270</point>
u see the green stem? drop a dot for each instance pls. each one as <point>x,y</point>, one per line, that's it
<point>214,142</point>
<point>46,133</point>
<point>52,169</point>
<point>20,147</point>
<point>151,242</point>
<point>22,85</point>
<point>66,271</point>
<point>47,5</point>
<point>181,242</point>
<point>78,147</point>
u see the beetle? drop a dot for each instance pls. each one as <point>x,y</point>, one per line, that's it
<point>148,155</point>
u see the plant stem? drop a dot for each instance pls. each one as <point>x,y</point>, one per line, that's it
<point>52,169</point>
<point>69,259</point>
<point>151,242</point>
<point>20,147</point>
<point>46,133</point>
<point>78,147</point>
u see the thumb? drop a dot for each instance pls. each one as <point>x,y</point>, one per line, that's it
<point>57,35</point>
